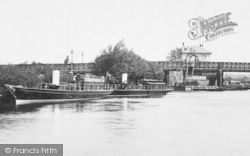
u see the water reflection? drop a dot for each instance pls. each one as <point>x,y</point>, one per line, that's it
<point>47,123</point>
<point>115,104</point>
<point>110,103</point>
<point>125,104</point>
<point>21,108</point>
<point>178,124</point>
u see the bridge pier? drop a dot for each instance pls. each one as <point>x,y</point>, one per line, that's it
<point>166,77</point>
<point>219,78</point>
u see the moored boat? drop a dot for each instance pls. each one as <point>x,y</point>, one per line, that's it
<point>229,88</point>
<point>233,88</point>
<point>140,91</point>
<point>48,93</point>
<point>216,89</point>
<point>146,87</point>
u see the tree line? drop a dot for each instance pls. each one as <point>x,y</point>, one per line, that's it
<point>12,75</point>
<point>115,60</point>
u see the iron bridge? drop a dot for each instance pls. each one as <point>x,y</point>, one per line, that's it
<point>207,66</point>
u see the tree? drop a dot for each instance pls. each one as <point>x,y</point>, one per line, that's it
<point>243,79</point>
<point>228,78</point>
<point>119,59</point>
<point>155,71</point>
<point>174,55</point>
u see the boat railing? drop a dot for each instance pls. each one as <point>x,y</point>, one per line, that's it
<point>43,86</point>
<point>77,86</point>
<point>95,87</point>
<point>148,87</point>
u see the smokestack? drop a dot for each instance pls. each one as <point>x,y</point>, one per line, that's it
<point>56,77</point>
<point>125,78</point>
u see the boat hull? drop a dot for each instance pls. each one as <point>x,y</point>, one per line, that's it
<point>139,92</point>
<point>47,101</point>
<point>30,95</point>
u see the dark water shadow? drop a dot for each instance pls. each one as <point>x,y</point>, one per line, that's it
<point>136,96</point>
<point>109,103</point>
<point>20,109</point>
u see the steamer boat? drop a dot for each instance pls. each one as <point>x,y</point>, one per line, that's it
<point>49,93</point>
<point>83,87</point>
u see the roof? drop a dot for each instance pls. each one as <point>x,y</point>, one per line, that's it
<point>196,49</point>
<point>153,82</point>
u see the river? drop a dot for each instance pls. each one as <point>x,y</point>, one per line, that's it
<point>177,124</point>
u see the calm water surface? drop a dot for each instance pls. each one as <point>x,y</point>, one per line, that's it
<point>178,124</point>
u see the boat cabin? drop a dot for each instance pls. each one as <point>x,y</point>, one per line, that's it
<point>153,84</point>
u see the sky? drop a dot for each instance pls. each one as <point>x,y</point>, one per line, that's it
<point>47,30</point>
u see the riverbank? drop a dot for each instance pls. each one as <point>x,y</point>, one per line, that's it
<point>5,97</point>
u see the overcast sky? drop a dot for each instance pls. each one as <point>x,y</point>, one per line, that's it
<point>46,30</point>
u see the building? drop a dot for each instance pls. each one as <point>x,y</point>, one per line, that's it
<point>202,80</point>
<point>193,54</point>
<point>189,53</point>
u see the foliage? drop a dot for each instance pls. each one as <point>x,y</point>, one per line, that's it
<point>13,75</point>
<point>242,79</point>
<point>65,76</point>
<point>174,55</point>
<point>228,78</point>
<point>119,59</point>
<point>155,71</point>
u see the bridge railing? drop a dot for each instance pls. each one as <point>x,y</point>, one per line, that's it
<point>225,66</point>
<point>62,67</point>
